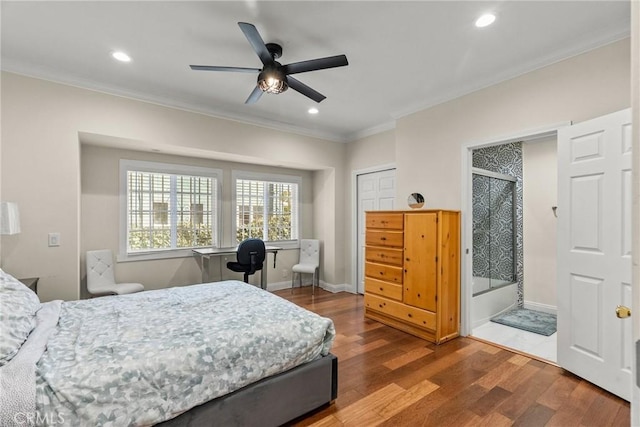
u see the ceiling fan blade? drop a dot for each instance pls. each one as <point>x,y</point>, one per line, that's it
<point>255,95</point>
<point>315,64</point>
<point>298,86</point>
<point>258,45</point>
<point>215,68</point>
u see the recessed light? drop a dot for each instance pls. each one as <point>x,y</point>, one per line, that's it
<point>121,56</point>
<point>313,110</point>
<point>485,20</point>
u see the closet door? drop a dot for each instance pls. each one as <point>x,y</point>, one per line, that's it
<point>376,191</point>
<point>420,262</point>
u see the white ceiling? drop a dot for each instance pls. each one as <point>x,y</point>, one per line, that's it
<point>403,56</point>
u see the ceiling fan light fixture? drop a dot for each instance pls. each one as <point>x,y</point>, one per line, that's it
<point>275,77</point>
<point>272,81</point>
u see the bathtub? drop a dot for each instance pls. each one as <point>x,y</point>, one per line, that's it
<point>484,284</point>
<point>488,302</point>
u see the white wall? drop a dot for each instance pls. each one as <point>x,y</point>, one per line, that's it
<point>42,125</point>
<point>540,179</point>
<point>428,143</point>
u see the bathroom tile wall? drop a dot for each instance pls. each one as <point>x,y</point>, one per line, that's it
<point>492,215</point>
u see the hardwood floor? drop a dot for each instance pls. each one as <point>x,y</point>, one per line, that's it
<point>389,378</point>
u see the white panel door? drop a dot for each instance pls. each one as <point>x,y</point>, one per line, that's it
<point>594,251</point>
<point>376,192</point>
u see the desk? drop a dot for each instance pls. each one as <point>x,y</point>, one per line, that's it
<point>206,253</point>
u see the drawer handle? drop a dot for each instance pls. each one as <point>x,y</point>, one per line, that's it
<point>381,288</point>
<point>380,305</point>
<point>409,314</point>
<point>383,238</point>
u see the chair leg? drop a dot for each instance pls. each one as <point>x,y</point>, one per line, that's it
<point>246,278</point>
<point>293,275</point>
<point>313,284</point>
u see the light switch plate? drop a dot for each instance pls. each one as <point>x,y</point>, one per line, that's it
<point>54,239</point>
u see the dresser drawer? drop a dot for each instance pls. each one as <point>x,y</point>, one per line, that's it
<point>383,272</point>
<point>393,239</point>
<point>387,220</point>
<point>415,316</point>
<point>384,255</point>
<point>384,289</point>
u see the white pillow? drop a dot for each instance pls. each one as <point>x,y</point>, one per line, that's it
<point>18,306</point>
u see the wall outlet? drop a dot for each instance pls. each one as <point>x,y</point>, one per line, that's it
<point>285,273</point>
<point>54,239</point>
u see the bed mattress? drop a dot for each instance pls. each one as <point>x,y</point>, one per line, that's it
<point>144,358</point>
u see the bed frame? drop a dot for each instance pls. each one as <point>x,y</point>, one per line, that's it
<point>271,401</point>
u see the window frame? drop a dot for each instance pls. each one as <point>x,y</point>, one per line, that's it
<point>127,165</point>
<point>266,177</point>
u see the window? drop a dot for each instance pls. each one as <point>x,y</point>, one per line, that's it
<point>167,207</point>
<point>266,207</point>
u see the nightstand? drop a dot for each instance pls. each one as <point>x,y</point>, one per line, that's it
<point>31,283</point>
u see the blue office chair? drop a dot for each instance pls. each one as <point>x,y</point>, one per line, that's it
<point>250,258</point>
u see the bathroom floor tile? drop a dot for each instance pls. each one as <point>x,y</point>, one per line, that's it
<point>524,341</point>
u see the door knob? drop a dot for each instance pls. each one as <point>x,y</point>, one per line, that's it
<point>623,312</point>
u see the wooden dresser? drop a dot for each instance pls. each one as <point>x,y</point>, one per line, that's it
<point>412,271</point>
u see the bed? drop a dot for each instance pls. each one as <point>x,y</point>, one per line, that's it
<point>224,353</point>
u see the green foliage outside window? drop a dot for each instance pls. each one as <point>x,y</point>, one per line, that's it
<point>187,237</point>
<point>277,206</point>
<point>279,228</point>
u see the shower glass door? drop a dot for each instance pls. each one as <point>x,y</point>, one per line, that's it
<point>494,236</point>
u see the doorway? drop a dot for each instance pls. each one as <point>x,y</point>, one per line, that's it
<point>506,246</point>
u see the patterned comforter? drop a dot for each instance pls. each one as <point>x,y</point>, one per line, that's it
<point>144,358</point>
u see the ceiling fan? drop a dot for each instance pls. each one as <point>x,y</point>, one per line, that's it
<point>275,77</point>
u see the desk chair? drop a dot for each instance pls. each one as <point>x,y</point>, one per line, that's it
<point>101,278</point>
<point>309,262</point>
<point>250,258</point>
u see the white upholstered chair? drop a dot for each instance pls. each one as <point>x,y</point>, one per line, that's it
<point>309,262</point>
<point>101,277</point>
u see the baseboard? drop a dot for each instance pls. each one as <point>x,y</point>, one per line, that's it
<point>278,286</point>
<point>545,308</point>
<point>330,287</point>
<point>484,320</point>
